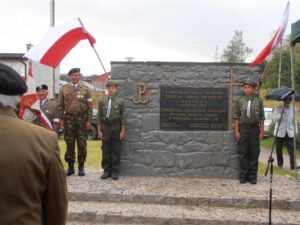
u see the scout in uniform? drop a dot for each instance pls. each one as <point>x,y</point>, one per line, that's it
<point>33,186</point>
<point>249,130</point>
<point>49,107</point>
<point>75,109</point>
<point>111,129</point>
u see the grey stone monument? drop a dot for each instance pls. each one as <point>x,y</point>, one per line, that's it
<point>180,117</point>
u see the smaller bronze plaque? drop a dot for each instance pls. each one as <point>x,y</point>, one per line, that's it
<point>190,108</point>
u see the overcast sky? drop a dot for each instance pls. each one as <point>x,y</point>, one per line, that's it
<point>148,30</point>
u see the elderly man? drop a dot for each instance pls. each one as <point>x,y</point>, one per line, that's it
<point>76,110</point>
<point>49,107</point>
<point>33,185</point>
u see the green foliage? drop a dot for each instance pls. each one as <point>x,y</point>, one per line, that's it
<point>236,51</point>
<point>270,79</point>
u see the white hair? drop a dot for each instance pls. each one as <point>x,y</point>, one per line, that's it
<point>9,101</point>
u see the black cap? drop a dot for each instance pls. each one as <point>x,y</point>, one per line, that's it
<point>11,82</point>
<point>42,87</point>
<point>74,70</point>
<point>250,82</point>
<point>111,83</point>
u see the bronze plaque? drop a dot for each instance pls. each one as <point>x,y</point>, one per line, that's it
<point>190,108</point>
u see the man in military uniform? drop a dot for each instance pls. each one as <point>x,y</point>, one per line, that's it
<point>111,129</point>
<point>33,186</point>
<point>75,109</point>
<point>249,130</point>
<point>49,107</point>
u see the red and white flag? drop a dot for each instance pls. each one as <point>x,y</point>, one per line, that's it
<point>268,51</point>
<point>30,106</point>
<point>58,42</point>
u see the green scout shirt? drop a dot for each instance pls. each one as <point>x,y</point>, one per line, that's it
<point>75,101</point>
<point>117,109</point>
<point>256,110</point>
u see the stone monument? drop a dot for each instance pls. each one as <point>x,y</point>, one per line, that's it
<point>180,117</point>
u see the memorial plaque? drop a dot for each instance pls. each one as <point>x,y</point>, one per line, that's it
<point>190,108</point>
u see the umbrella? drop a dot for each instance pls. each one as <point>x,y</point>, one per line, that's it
<point>280,94</point>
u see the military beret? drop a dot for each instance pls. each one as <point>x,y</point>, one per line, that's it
<point>250,82</point>
<point>74,70</point>
<point>43,86</point>
<point>11,82</point>
<point>111,83</point>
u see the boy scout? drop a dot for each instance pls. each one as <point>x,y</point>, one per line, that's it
<point>75,109</point>
<point>49,107</point>
<point>249,130</point>
<point>111,129</point>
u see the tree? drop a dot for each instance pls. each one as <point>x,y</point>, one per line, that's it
<point>236,51</point>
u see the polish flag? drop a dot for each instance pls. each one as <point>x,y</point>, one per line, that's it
<point>30,106</point>
<point>58,42</point>
<point>268,51</point>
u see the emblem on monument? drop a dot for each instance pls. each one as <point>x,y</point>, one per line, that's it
<point>141,97</point>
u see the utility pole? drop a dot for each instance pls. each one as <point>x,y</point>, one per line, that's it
<point>52,24</point>
<point>217,54</point>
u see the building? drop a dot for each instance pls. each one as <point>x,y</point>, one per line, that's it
<point>99,82</point>
<point>41,74</point>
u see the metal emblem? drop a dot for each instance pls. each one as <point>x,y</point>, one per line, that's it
<point>29,115</point>
<point>141,97</point>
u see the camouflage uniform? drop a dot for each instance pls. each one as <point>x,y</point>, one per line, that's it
<point>110,128</point>
<point>248,145</point>
<point>75,108</point>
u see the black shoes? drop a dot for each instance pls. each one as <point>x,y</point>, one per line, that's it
<point>70,171</point>
<point>254,181</point>
<point>81,171</point>
<point>243,180</point>
<point>105,175</point>
<point>251,181</point>
<point>114,176</point>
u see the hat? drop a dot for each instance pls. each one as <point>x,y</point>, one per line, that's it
<point>111,83</point>
<point>250,82</point>
<point>43,86</point>
<point>74,70</point>
<point>11,82</point>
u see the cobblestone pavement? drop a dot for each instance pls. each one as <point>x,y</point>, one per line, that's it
<point>283,187</point>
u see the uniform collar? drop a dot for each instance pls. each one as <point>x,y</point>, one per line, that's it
<point>249,97</point>
<point>7,112</point>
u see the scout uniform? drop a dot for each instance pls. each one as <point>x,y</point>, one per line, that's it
<point>33,186</point>
<point>111,118</point>
<point>75,109</point>
<point>249,112</point>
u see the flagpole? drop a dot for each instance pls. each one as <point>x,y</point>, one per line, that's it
<point>52,24</point>
<point>279,68</point>
<point>92,46</point>
<point>265,70</point>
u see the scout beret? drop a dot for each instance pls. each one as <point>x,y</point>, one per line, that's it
<point>111,83</point>
<point>42,87</point>
<point>74,70</point>
<point>11,82</point>
<point>250,82</point>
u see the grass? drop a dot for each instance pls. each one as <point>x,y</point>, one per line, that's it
<point>94,155</point>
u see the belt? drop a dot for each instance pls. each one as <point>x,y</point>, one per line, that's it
<point>111,122</point>
<point>74,114</point>
<point>249,125</point>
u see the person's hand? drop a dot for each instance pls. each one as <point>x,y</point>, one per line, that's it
<point>100,135</point>
<point>237,135</point>
<point>88,125</point>
<point>261,135</point>
<point>122,135</point>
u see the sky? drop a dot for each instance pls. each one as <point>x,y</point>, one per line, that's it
<point>147,30</point>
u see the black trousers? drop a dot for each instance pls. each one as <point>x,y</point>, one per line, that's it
<point>111,148</point>
<point>290,147</point>
<point>248,150</point>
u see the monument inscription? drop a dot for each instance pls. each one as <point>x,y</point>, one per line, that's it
<point>193,108</point>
